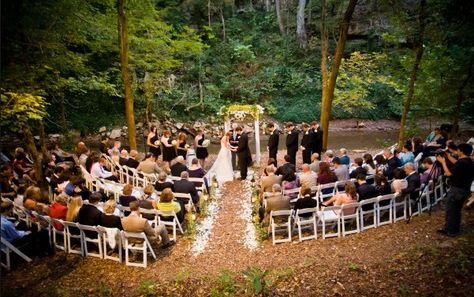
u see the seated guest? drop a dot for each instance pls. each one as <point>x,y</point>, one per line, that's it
<point>58,210</point>
<point>89,214</point>
<point>392,163</point>
<point>325,175</point>
<point>271,162</point>
<point>32,198</point>
<point>413,182</point>
<point>132,160</point>
<point>146,202</point>
<point>344,158</point>
<point>430,172</point>
<point>107,218</point>
<point>98,170</point>
<point>305,200</point>
<point>20,195</point>
<point>399,182</point>
<point>407,156</point>
<point>178,166</point>
<point>328,156</point>
<point>123,157</point>
<point>104,145</point>
<point>365,191</point>
<point>185,186</point>
<point>8,183</point>
<point>162,182</point>
<point>115,156</point>
<point>287,170</point>
<point>115,148</point>
<point>417,145</point>
<point>77,186</point>
<point>167,203</point>
<point>359,169</point>
<point>149,194</point>
<point>81,152</point>
<point>439,142</point>
<point>75,204</point>
<point>127,196</point>
<point>314,162</point>
<point>267,182</point>
<point>195,170</point>
<point>368,164</point>
<point>57,179</point>
<point>307,177</point>
<point>275,202</point>
<point>382,185</point>
<point>148,165</point>
<point>340,170</point>
<point>349,195</point>
<point>134,223</point>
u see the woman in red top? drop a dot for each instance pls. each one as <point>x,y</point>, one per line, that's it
<point>58,210</point>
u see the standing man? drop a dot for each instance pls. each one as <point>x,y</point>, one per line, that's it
<point>272,146</point>
<point>317,138</point>
<point>243,153</point>
<point>234,143</point>
<point>291,142</point>
<point>306,144</point>
<point>461,175</point>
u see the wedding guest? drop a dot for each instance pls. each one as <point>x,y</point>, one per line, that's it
<point>104,145</point>
<point>273,141</point>
<point>413,182</point>
<point>132,160</point>
<point>162,182</point>
<point>108,219</point>
<point>148,165</point>
<point>98,170</point>
<point>115,156</point>
<point>75,204</point>
<point>123,157</point>
<point>146,202</point>
<point>169,152</point>
<point>178,167</point>
<point>325,175</point>
<point>22,166</point>
<point>167,203</point>
<point>77,187</point>
<point>292,182</point>
<point>271,162</point>
<point>407,156</point>
<point>360,169</point>
<point>399,182</point>
<point>81,151</point>
<point>185,186</point>
<point>89,214</point>
<point>392,163</point>
<point>306,143</point>
<point>382,185</point>
<point>328,156</point>
<point>345,160</point>
<point>368,164</point>
<point>201,151</point>
<point>305,201</point>
<point>349,195</point>
<point>287,170</point>
<point>58,210</point>
<point>181,148</point>
<point>267,182</point>
<point>292,142</point>
<point>340,170</point>
<point>134,223</point>
<point>318,138</point>
<point>365,191</point>
<point>429,172</point>
<point>57,179</point>
<point>196,170</point>
<point>307,177</point>
<point>417,145</point>
<point>127,196</point>
<point>153,143</point>
<point>115,148</point>
<point>275,202</point>
<point>8,187</point>
<point>314,162</point>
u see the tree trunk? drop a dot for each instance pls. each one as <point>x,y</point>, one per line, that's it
<point>209,12</point>
<point>414,72</point>
<point>42,136</point>
<point>460,98</point>
<point>328,94</point>
<point>268,6</point>
<point>300,26</point>
<point>148,94</point>
<point>223,23</point>
<point>62,110</point>
<point>37,158</point>
<point>324,70</point>
<point>279,17</point>
<point>123,47</point>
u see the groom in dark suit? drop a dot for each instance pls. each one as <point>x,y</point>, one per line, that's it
<point>243,153</point>
<point>234,143</point>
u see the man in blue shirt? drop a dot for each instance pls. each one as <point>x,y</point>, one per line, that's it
<point>8,230</point>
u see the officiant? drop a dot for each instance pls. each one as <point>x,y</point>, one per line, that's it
<point>234,143</point>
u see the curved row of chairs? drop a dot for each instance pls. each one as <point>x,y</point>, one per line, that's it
<point>337,221</point>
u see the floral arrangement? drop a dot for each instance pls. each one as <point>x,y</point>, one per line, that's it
<point>157,142</point>
<point>206,143</point>
<point>174,143</point>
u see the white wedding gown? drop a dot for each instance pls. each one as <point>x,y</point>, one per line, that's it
<point>222,167</point>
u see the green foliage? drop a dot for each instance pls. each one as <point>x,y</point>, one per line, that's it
<point>147,288</point>
<point>226,284</point>
<point>256,282</point>
<point>19,108</point>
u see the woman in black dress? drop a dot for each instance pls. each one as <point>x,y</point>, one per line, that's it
<point>153,142</point>
<point>169,152</point>
<point>201,152</point>
<point>181,148</point>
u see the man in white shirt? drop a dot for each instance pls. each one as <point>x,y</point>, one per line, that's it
<point>307,177</point>
<point>98,170</point>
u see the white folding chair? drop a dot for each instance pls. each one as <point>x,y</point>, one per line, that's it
<point>137,242</point>
<point>123,209</point>
<point>22,214</point>
<point>369,215</point>
<point>424,203</point>
<point>69,228</point>
<point>306,219</point>
<point>291,193</point>
<point>106,233</point>
<point>349,214</point>
<point>414,203</point>
<point>148,213</point>
<point>58,228</point>
<point>326,191</point>
<point>384,206</point>
<point>149,179</point>
<point>439,190</point>
<point>327,217</point>
<point>7,248</point>
<point>280,220</point>
<point>399,203</point>
<point>186,198</point>
<point>89,234</point>
<point>198,182</point>
<point>174,223</point>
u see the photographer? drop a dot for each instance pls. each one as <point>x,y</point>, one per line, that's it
<point>461,175</point>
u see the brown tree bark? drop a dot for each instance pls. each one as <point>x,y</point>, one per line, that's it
<point>329,84</point>
<point>460,98</point>
<point>300,24</point>
<point>279,17</point>
<point>414,72</point>
<point>123,47</point>
<point>37,157</point>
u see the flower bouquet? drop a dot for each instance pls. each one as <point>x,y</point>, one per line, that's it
<point>174,143</point>
<point>206,143</point>
<point>157,142</point>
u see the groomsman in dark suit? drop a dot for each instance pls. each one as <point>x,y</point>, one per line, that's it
<point>273,142</point>
<point>317,138</point>
<point>243,152</point>
<point>292,142</point>
<point>234,143</point>
<point>306,144</point>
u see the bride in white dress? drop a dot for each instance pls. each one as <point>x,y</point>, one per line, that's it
<point>222,167</point>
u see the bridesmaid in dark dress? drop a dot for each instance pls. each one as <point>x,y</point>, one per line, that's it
<point>201,152</point>
<point>153,142</point>
<point>169,152</point>
<point>181,148</point>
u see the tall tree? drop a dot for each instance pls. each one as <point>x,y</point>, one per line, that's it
<point>414,71</point>
<point>279,17</point>
<point>300,24</point>
<point>329,83</point>
<point>123,47</point>
<point>460,96</point>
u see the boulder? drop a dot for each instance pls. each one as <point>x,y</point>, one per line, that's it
<point>179,125</point>
<point>139,125</point>
<point>115,133</point>
<point>102,129</point>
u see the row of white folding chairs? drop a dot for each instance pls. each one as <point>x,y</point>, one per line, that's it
<point>8,249</point>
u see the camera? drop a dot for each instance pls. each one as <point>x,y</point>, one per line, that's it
<point>441,153</point>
